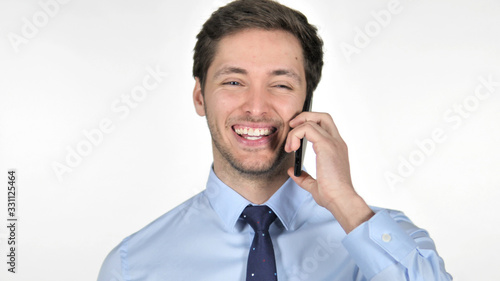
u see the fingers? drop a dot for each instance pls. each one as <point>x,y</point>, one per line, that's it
<point>312,131</point>
<point>324,120</point>
<point>316,127</point>
<point>305,180</point>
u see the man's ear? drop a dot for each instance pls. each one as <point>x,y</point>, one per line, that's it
<point>198,100</point>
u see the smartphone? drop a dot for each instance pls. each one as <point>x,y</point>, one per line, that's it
<point>299,154</point>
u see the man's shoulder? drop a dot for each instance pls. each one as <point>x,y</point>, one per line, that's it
<point>182,215</point>
<point>178,222</point>
<point>171,232</point>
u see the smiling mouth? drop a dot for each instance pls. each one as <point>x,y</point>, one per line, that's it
<point>251,133</point>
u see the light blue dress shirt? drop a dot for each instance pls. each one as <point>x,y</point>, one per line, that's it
<point>204,239</point>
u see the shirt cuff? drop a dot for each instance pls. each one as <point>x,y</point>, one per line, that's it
<point>378,243</point>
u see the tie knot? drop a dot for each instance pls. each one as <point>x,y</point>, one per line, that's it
<point>258,217</point>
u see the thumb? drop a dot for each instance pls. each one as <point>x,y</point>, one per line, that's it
<point>305,180</point>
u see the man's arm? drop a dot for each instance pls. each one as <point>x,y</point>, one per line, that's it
<point>384,246</point>
<point>390,247</point>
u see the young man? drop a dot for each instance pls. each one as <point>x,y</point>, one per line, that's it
<point>255,64</point>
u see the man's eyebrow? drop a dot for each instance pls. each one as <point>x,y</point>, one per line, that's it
<point>229,70</point>
<point>286,72</point>
<point>278,72</point>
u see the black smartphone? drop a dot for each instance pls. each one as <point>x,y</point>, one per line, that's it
<point>299,154</point>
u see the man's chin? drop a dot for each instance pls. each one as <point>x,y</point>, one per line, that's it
<point>268,167</point>
<point>257,163</point>
<point>254,170</point>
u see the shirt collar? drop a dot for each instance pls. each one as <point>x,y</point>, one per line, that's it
<point>229,205</point>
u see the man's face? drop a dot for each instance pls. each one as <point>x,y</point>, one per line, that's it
<point>254,86</point>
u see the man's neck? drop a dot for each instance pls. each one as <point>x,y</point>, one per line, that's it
<point>255,188</point>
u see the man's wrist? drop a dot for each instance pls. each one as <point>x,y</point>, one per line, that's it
<point>350,210</point>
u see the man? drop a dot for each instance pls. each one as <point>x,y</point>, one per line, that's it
<point>255,65</point>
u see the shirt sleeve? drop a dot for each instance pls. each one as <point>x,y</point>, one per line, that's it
<point>111,269</point>
<point>390,247</point>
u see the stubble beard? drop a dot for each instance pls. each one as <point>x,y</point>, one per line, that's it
<point>268,169</point>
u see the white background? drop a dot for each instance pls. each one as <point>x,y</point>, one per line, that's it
<point>395,91</point>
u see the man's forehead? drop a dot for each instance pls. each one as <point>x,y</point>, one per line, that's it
<point>238,52</point>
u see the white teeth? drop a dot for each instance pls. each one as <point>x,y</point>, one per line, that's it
<point>253,132</point>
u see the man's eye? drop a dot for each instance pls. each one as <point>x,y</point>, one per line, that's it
<point>232,83</point>
<point>283,86</point>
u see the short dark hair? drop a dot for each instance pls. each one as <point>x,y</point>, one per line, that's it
<point>261,14</point>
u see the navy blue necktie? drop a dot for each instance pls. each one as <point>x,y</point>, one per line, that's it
<point>261,264</point>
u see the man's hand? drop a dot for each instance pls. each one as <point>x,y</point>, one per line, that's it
<point>333,187</point>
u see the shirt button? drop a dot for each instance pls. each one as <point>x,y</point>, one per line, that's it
<point>386,237</point>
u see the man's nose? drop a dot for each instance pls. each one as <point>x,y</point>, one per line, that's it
<point>257,102</point>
